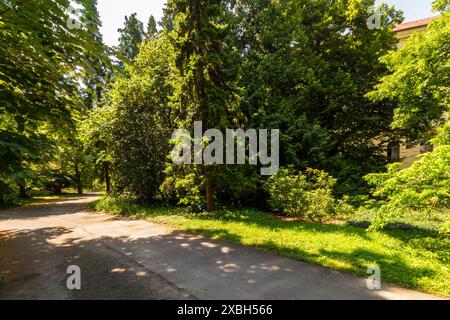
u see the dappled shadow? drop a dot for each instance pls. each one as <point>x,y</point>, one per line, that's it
<point>33,264</point>
<point>392,267</point>
<point>45,208</point>
<point>138,260</point>
<point>268,221</point>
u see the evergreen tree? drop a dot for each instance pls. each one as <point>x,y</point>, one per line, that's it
<point>317,59</point>
<point>208,66</point>
<point>151,27</point>
<point>131,37</point>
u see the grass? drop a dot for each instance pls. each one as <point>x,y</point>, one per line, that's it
<point>414,220</point>
<point>18,202</point>
<point>415,259</point>
<point>54,196</point>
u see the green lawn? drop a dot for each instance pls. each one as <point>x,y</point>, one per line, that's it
<point>38,197</point>
<point>414,259</point>
<point>54,196</point>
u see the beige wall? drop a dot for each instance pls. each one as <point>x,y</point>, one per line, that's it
<point>404,35</point>
<point>408,155</point>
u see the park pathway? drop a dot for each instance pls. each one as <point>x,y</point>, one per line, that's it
<point>127,259</point>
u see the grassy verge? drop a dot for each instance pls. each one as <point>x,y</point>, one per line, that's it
<point>414,220</point>
<point>37,197</point>
<point>54,196</point>
<point>414,259</point>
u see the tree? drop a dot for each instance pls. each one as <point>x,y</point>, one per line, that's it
<point>151,28</point>
<point>96,76</point>
<point>140,122</point>
<point>207,65</point>
<point>317,60</point>
<point>131,37</point>
<point>419,81</point>
<point>41,63</point>
<point>441,5</point>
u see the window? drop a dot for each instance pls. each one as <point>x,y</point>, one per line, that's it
<point>394,152</point>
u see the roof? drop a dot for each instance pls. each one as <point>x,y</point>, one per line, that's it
<point>414,24</point>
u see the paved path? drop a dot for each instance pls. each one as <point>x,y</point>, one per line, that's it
<point>122,259</point>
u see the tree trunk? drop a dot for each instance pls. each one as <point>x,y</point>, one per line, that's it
<point>107,178</point>
<point>209,194</point>
<point>23,191</point>
<point>78,180</point>
<point>79,188</point>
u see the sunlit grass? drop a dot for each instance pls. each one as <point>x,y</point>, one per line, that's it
<point>414,259</point>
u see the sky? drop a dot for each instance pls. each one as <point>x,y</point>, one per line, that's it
<point>112,13</point>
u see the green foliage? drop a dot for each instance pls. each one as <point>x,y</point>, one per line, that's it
<point>418,260</point>
<point>207,65</point>
<point>302,195</point>
<point>54,181</point>
<point>425,186</point>
<point>140,121</point>
<point>151,28</point>
<point>42,63</point>
<point>441,5</point>
<point>185,184</point>
<point>307,66</point>
<point>445,229</point>
<point>131,37</point>
<point>418,80</point>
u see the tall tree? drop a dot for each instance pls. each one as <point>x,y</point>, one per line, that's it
<point>317,59</point>
<point>134,132</point>
<point>131,37</point>
<point>40,63</point>
<point>95,77</point>
<point>419,80</point>
<point>207,64</point>
<point>151,28</point>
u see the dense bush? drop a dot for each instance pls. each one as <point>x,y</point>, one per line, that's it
<point>8,197</point>
<point>142,124</point>
<point>304,194</point>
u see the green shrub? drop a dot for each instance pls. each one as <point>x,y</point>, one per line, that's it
<point>304,194</point>
<point>423,187</point>
<point>8,198</point>
<point>445,229</point>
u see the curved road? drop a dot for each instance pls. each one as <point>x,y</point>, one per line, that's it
<point>123,259</point>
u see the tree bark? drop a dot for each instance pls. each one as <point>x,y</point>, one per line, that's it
<point>209,194</point>
<point>22,191</point>
<point>78,180</point>
<point>107,178</point>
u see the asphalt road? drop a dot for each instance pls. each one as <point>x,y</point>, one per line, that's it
<point>126,259</point>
